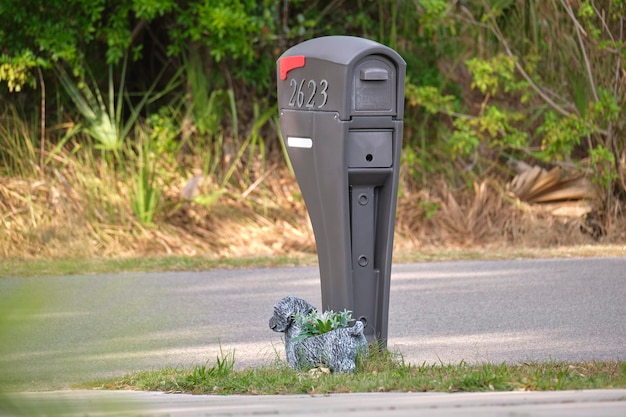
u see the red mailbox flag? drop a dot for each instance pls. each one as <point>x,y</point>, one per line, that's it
<point>288,63</point>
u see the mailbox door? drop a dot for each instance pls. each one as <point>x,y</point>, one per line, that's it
<point>374,87</point>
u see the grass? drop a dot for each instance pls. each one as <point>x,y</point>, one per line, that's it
<point>19,267</point>
<point>62,267</point>
<point>381,371</point>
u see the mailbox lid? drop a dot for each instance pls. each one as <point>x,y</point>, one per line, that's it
<point>323,74</point>
<point>341,50</point>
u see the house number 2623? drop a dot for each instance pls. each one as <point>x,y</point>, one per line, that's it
<point>308,94</point>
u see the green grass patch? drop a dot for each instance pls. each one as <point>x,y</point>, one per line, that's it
<point>15,267</point>
<point>381,371</point>
<point>62,267</point>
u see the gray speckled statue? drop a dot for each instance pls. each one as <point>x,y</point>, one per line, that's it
<point>336,349</point>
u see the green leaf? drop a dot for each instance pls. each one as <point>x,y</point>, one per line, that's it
<point>317,323</point>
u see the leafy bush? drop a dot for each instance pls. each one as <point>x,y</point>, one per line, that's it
<point>545,85</point>
<point>488,81</point>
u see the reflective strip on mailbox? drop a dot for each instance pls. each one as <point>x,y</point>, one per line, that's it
<point>299,142</point>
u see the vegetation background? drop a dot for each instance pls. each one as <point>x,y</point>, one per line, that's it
<point>149,127</point>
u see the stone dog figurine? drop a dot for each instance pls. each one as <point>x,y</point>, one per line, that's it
<point>336,349</point>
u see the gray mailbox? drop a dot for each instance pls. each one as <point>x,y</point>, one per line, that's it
<point>341,102</point>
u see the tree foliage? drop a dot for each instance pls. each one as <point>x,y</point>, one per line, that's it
<point>488,80</point>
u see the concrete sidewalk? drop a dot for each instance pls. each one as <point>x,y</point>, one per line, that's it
<point>594,403</point>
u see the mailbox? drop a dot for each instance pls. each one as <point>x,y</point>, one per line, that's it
<point>341,103</point>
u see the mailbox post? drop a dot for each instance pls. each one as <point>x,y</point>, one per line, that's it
<point>341,103</point>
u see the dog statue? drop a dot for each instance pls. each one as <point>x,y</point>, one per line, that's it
<point>337,349</point>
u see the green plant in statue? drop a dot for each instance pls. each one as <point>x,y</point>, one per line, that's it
<point>314,323</point>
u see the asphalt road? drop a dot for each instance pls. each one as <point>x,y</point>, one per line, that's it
<point>58,331</point>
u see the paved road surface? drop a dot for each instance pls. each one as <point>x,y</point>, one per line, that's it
<point>65,330</point>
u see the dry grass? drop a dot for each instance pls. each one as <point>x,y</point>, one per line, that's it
<point>85,212</point>
<point>487,216</point>
<point>81,209</point>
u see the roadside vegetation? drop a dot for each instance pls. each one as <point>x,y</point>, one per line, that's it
<point>20,267</point>
<point>149,128</point>
<point>381,371</point>
<point>143,135</point>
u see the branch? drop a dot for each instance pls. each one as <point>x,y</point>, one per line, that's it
<point>137,29</point>
<point>518,66</point>
<point>42,127</point>
<point>580,30</point>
